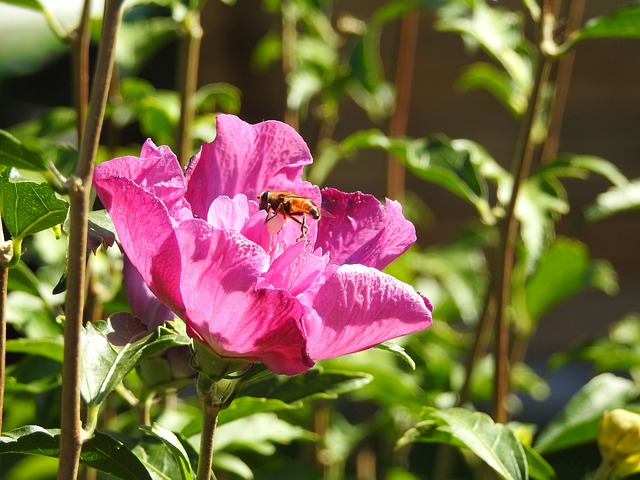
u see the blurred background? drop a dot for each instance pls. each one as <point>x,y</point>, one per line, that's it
<point>602,118</point>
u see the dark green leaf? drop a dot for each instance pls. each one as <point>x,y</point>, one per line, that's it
<point>105,365</point>
<point>577,423</point>
<point>14,154</point>
<point>171,441</point>
<point>29,207</point>
<point>494,443</point>
<point>33,375</point>
<point>101,452</point>
<point>314,383</point>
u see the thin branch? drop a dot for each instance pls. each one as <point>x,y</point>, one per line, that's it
<point>79,197</point>
<point>522,161</point>
<point>188,70</point>
<point>4,279</point>
<point>562,82</point>
<point>79,40</point>
<point>404,79</point>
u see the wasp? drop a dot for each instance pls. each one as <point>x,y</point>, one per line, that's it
<point>289,205</point>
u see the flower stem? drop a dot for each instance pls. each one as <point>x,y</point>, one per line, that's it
<point>188,83</point>
<point>211,406</point>
<point>79,188</point>
<point>4,279</point>
<point>521,165</point>
<point>404,78</point>
<point>79,40</point>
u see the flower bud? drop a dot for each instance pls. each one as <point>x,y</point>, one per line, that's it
<point>619,442</point>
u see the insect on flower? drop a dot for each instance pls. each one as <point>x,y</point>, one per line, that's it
<point>289,205</point>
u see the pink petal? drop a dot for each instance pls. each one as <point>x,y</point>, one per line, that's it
<point>246,159</point>
<point>229,214</point>
<point>144,304</point>
<point>360,230</point>
<point>146,232</point>
<point>225,311</point>
<point>359,307</point>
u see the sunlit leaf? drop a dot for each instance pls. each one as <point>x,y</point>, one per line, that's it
<point>618,199</point>
<point>101,451</point>
<point>494,443</point>
<point>14,154</point>
<point>51,348</point>
<point>29,207</point>
<point>623,22</point>
<point>140,39</point>
<point>398,351</point>
<point>577,423</point>
<point>488,77</point>
<point>104,364</point>
<point>314,383</point>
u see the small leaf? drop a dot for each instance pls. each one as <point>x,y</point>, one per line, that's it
<point>22,279</point>
<point>623,22</point>
<point>31,4</point>
<point>618,199</point>
<point>29,207</point>
<point>101,452</point>
<point>174,445</point>
<point>14,154</point>
<point>577,423</point>
<point>494,443</point>
<point>312,384</point>
<point>399,352</point>
<point>101,230</point>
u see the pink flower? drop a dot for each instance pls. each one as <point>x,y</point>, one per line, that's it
<point>250,289</point>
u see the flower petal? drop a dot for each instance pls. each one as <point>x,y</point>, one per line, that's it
<point>225,311</point>
<point>359,307</point>
<point>146,233</point>
<point>144,304</point>
<point>360,230</point>
<point>246,159</point>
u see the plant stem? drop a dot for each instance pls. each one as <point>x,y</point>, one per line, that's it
<point>562,81</point>
<point>522,161</point>
<point>189,59</point>
<point>79,40</point>
<point>403,81</point>
<point>289,38</point>
<point>211,406</point>
<point>4,279</point>
<point>79,187</point>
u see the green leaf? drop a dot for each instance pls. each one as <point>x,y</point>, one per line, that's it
<point>494,443</point>
<point>218,96</point>
<point>31,4</point>
<point>564,269</point>
<point>14,154</point>
<point>22,279</point>
<point>311,384</point>
<point>242,407</point>
<point>618,199</point>
<point>623,22</point>
<point>51,348</point>
<point>399,352</point>
<point>486,76</point>
<point>168,438</point>
<point>577,423</point>
<point>104,365</point>
<point>29,207</point>
<point>140,39</point>
<point>539,468</point>
<point>102,231</point>
<point>101,452</point>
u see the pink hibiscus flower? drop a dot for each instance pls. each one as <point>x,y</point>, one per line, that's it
<point>251,289</point>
